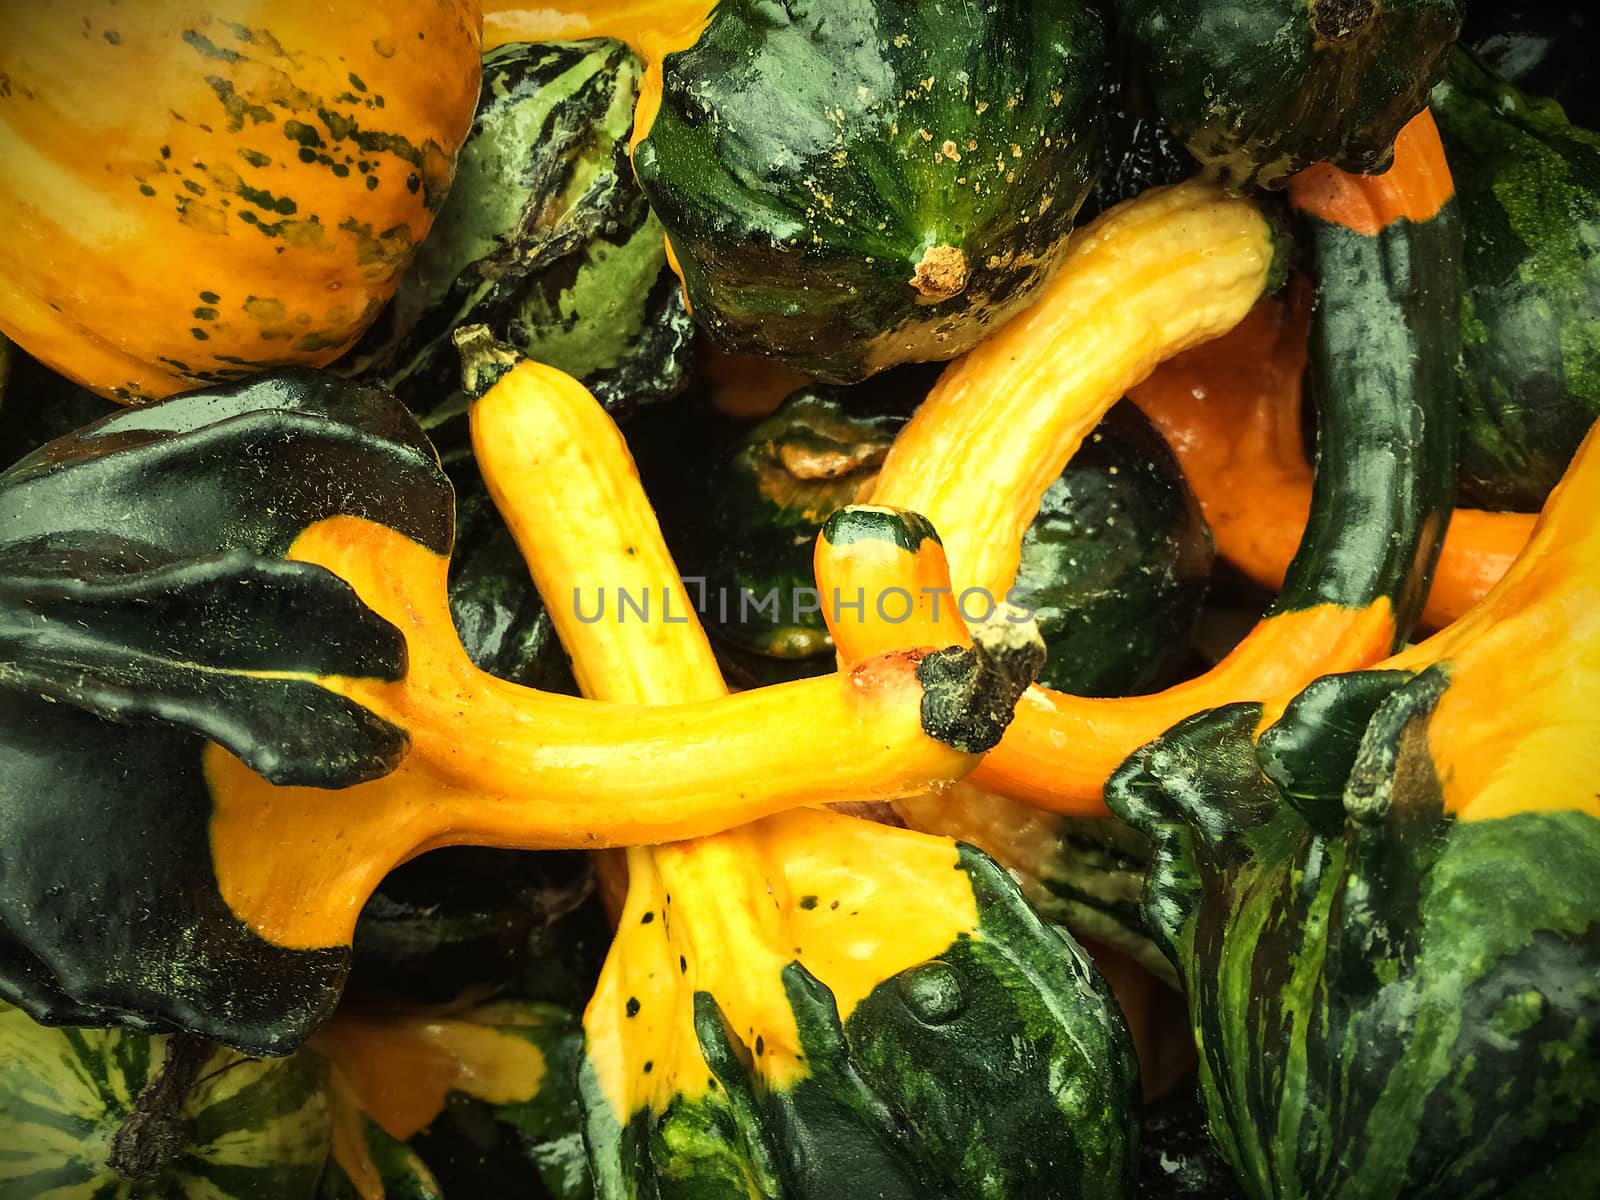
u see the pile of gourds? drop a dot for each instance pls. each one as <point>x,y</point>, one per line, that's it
<point>668,598</point>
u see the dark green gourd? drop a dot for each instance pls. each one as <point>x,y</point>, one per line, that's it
<point>146,611</point>
<point>1529,189</point>
<point>848,185</point>
<point>545,238</point>
<point>1260,89</point>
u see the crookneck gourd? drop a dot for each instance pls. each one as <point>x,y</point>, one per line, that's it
<point>851,185</point>
<point>1260,89</point>
<point>1114,566</point>
<point>545,238</point>
<point>119,1115</point>
<point>1147,280</point>
<point>221,188</point>
<point>1530,196</point>
<point>1381,898</point>
<point>811,982</point>
<point>219,607</point>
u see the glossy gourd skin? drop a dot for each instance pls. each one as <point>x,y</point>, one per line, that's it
<point>763,503</point>
<point>1260,89</point>
<point>545,238</point>
<point>503,624</point>
<point>1368,977</point>
<point>848,186</point>
<point>1385,335</point>
<point>202,192</point>
<point>1379,895</point>
<point>1231,410</point>
<point>83,536</point>
<point>1116,564</point>
<point>1529,186</point>
<point>84,1115</point>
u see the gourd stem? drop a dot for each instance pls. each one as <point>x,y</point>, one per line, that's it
<point>152,1135</point>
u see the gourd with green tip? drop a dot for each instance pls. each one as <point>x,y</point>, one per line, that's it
<point>849,185</point>
<point>220,606</point>
<point>1369,977</point>
<point>1114,565</point>
<point>1260,89</point>
<point>545,238</point>
<point>88,1114</point>
<point>1529,188</point>
<point>913,1085</point>
<point>809,990</point>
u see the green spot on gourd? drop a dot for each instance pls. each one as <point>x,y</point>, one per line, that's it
<point>236,106</point>
<point>203,45</point>
<point>305,135</point>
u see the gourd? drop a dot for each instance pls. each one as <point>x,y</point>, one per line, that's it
<point>545,238</point>
<point>1529,183</point>
<point>810,976</point>
<point>1114,565</point>
<point>1147,280</point>
<point>207,648</point>
<point>848,186</point>
<point>224,188</point>
<point>1392,870</point>
<point>1140,151</point>
<point>1231,410</point>
<point>1260,89</point>
<point>114,1113</point>
<point>502,625</point>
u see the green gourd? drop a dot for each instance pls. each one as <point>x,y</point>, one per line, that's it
<point>849,185</point>
<point>1260,89</point>
<point>1528,183</point>
<point>546,239</point>
<point>92,1114</point>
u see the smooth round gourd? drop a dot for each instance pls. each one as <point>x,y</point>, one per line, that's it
<point>199,192</point>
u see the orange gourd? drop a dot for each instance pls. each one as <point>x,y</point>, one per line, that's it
<point>198,192</point>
